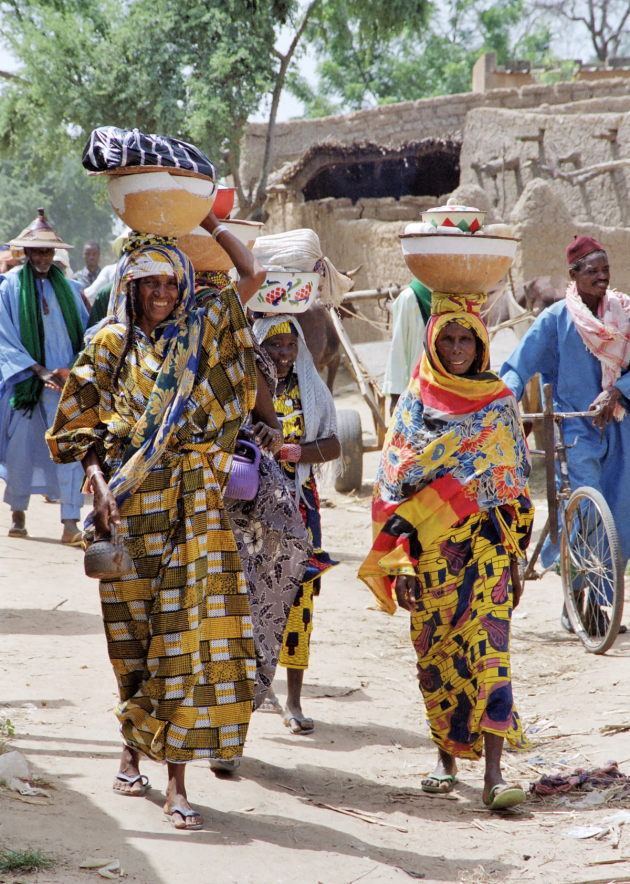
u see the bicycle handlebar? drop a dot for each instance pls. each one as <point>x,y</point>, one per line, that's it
<point>561,415</point>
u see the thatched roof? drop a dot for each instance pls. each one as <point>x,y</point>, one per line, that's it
<point>295,176</point>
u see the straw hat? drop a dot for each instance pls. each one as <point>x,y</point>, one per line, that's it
<point>39,235</point>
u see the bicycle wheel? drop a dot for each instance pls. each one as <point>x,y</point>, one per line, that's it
<point>592,570</point>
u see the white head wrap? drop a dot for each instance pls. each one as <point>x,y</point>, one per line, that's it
<point>144,264</point>
<point>320,417</point>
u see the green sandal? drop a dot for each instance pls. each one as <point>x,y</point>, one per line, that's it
<point>450,781</point>
<point>503,797</point>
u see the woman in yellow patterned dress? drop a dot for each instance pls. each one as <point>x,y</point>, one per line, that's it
<point>309,427</point>
<point>452,516</point>
<point>152,409</point>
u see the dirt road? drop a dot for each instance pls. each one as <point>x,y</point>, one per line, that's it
<point>280,819</point>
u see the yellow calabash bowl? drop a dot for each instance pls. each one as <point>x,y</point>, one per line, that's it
<point>160,202</point>
<point>458,264</point>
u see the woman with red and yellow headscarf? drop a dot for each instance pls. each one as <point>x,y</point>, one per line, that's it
<point>452,516</point>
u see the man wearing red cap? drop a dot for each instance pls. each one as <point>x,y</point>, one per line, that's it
<point>581,346</point>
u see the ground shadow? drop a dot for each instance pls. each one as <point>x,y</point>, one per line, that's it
<point>31,539</point>
<point>35,621</point>
<point>335,737</point>
<point>298,835</point>
<point>53,829</point>
<point>334,692</point>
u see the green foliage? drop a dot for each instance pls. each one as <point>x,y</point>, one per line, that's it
<point>417,54</point>
<point>24,861</point>
<point>354,39</point>
<point>7,728</point>
<point>74,203</point>
<point>178,67</point>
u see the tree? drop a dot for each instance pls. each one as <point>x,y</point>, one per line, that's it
<point>71,199</point>
<point>605,20</point>
<point>365,25</point>
<point>178,67</point>
<point>419,59</point>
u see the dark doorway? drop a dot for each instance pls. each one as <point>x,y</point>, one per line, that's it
<point>427,168</point>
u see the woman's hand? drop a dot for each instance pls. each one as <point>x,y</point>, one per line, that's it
<point>267,438</point>
<point>105,506</point>
<point>517,586</point>
<point>408,592</point>
<point>251,273</point>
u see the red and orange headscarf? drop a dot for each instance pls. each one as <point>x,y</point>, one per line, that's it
<point>440,390</point>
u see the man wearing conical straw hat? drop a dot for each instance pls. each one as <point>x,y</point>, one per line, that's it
<point>42,320</point>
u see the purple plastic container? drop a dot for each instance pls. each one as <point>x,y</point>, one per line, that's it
<point>244,480</point>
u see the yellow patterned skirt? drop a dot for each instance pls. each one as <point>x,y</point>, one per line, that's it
<point>179,628</point>
<point>461,636</point>
<point>296,641</point>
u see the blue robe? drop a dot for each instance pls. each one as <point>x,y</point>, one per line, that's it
<point>25,462</point>
<point>554,349</point>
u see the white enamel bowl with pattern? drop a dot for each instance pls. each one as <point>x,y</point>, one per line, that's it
<point>286,292</point>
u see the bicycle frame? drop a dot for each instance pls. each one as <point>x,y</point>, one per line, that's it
<point>553,421</point>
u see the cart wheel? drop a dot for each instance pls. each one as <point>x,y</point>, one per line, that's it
<point>351,438</point>
<point>592,570</point>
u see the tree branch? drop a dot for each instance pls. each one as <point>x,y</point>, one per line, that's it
<point>232,160</point>
<point>285,61</point>
<point>7,75</point>
<point>605,37</point>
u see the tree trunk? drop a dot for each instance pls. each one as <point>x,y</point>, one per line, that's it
<point>285,61</point>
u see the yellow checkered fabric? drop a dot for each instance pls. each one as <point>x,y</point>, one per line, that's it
<point>178,628</point>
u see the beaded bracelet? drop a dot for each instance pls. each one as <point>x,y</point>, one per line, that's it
<point>290,453</point>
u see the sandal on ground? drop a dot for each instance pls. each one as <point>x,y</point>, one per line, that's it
<point>439,785</point>
<point>302,726</point>
<point>17,532</point>
<point>225,765</point>
<point>271,704</point>
<point>186,814</point>
<point>75,539</point>
<point>145,785</point>
<point>502,797</point>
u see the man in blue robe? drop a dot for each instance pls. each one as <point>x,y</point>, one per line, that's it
<point>42,320</point>
<point>584,355</point>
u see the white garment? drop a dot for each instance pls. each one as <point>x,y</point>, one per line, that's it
<point>407,343</point>
<point>105,276</point>
<point>320,416</point>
